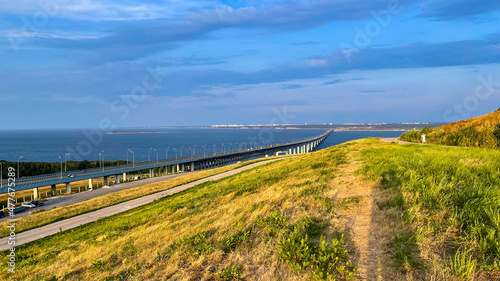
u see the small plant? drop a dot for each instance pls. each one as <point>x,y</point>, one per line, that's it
<point>326,261</point>
<point>462,264</point>
<point>404,246</point>
<point>274,220</point>
<point>98,265</point>
<point>231,273</point>
<point>295,250</point>
<point>229,243</point>
<point>331,260</point>
<point>198,244</point>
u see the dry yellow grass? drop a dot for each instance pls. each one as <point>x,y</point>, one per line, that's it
<point>42,218</point>
<point>153,242</point>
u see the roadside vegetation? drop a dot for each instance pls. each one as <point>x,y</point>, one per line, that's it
<point>42,217</point>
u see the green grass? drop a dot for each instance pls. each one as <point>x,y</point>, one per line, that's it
<point>217,230</point>
<point>451,193</point>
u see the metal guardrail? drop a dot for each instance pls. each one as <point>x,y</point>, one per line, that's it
<point>24,183</point>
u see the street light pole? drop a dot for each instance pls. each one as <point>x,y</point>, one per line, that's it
<point>18,165</point>
<point>149,151</point>
<point>156,156</point>
<point>61,165</point>
<point>127,154</point>
<point>194,150</point>
<point>222,148</point>
<point>214,149</point>
<point>204,150</point>
<point>182,150</point>
<point>133,158</point>
<point>65,166</point>
<point>175,149</point>
<point>103,163</point>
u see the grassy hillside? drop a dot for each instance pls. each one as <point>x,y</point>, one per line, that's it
<point>41,217</point>
<point>482,131</point>
<point>450,198</point>
<point>364,209</point>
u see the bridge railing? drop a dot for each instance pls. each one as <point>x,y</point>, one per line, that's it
<point>117,169</point>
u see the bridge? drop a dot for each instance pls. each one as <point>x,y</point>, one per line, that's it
<point>178,165</point>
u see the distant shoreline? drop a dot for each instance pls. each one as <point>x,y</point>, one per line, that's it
<point>131,132</point>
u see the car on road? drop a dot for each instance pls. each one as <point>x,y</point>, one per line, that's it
<point>2,214</point>
<point>37,203</point>
<point>71,175</point>
<point>18,209</point>
<point>28,205</point>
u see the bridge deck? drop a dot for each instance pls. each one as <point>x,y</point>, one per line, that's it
<point>24,183</point>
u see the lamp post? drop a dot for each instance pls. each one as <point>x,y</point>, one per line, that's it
<point>127,154</point>
<point>222,148</point>
<point>65,166</point>
<point>149,152</point>
<point>156,156</point>
<point>182,150</point>
<point>18,165</point>
<point>175,149</point>
<point>194,150</point>
<point>214,150</point>
<point>60,158</point>
<point>102,153</point>
<point>231,146</point>
<point>204,149</point>
<point>133,158</point>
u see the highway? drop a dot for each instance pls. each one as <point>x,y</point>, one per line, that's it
<point>53,228</point>
<point>61,201</point>
<point>24,183</point>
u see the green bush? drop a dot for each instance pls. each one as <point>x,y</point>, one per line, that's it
<point>326,261</point>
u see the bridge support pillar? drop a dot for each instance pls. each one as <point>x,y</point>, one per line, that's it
<point>118,179</point>
<point>166,170</point>
<point>105,182</point>
<point>91,184</point>
<point>182,167</point>
<point>192,166</point>
<point>151,173</point>
<point>35,192</point>
<point>53,190</point>
<point>124,177</point>
<point>173,169</point>
<point>68,187</point>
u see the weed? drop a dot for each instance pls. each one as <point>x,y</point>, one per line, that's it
<point>462,264</point>
<point>231,273</point>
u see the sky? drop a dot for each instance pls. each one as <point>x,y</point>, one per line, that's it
<point>128,63</point>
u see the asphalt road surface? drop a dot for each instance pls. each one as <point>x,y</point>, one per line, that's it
<point>53,228</point>
<point>60,201</point>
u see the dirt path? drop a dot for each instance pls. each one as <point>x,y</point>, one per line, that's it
<point>369,226</point>
<point>395,140</point>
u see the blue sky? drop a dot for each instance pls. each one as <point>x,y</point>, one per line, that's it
<point>82,63</point>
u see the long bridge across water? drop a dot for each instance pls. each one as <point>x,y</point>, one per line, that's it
<point>167,166</point>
